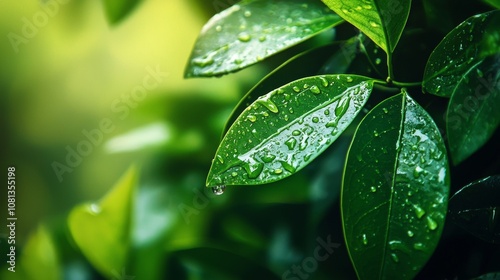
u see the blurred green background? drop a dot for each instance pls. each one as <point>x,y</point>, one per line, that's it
<point>66,73</point>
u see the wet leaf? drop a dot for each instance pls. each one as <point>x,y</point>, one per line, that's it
<point>461,52</point>
<point>374,54</point>
<point>117,10</point>
<point>253,30</point>
<point>283,130</point>
<point>382,21</point>
<point>302,65</point>
<point>476,208</point>
<point>395,190</point>
<point>102,230</point>
<point>473,116</point>
<point>493,3</point>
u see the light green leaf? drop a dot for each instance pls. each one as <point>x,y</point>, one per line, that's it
<point>117,10</point>
<point>253,30</point>
<point>102,230</point>
<point>381,20</point>
<point>475,208</point>
<point>462,51</point>
<point>395,190</point>
<point>282,131</point>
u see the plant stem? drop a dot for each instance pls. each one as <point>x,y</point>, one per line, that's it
<point>389,68</point>
<point>402,84</point>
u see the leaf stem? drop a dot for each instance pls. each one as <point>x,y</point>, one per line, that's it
<point>402,84</point>
<point>389,68</point>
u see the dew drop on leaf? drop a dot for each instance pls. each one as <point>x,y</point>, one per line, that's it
<point>419,211</point>
<point>244,37</point>
<point>431,223</point>
<point>315,90</point>
<point>94,209</point>
<point>218,190</point>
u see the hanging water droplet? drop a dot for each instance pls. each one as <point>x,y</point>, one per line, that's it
<point>94,209</point>
<point>431,223</point>
<point>315,90</point>
<point>244,37</point>
<point>419,211</point>
<point>218,190</point>
<point>291,143</point>
<point>251,118</point>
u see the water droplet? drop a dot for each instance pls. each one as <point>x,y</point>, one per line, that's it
<point>349,79</point>
<point>375,133</point>
<point>378,61</point>
<point>94,209</point>
<point>262,38</point>
<point>253,169</point>
<point>220,159</point>
<point>247,13</point>
<point>288,167</point>
<point>315,119</point>
<point>251,118</point>
<point>234,174</point>
<point>368,7</point>
<point>290,110</point>
<point>244,37</point>
<point>266,102</point>
<point>385,110</point>
<point>479,73</point>
<point>358,8</point>
<point>365,240</point>
<point>203,62</point>
<point>295,133</point>
<point>218,28</point>
<point>418,170</point>
<point>431,223</point>
<point>419,211</point>
<point>218,190</point>
<point>342,106</point>
<point>315,90</point>
<point>373,189</point>
<point>410,233</point>
<point>374,24</point>
<point>324,81</point>
<point>419,246</point>
<point>395,258</point>
<point>291,143</point>
<point>327,112</point>
<point>296,89</point>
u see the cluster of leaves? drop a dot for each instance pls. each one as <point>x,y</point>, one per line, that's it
<point>396,182</point>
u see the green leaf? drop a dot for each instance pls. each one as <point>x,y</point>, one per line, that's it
<point>493,3</point>
<point>381,20</point>
<point>395,190</point>
<point>253,30</point>
<point>117,10</point>
<point>282,131</point>
<point>102,230</point>
<point>473,116</point>
<point>302,65</point>
<point>462,51</point>
<point>475,208</point>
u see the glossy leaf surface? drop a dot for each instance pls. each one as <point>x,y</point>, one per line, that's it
<point>382,21</point>
<point>282,131</point>
<point>117,10</point>
<point>302,65</point>
<point>395,190</point>
<point>102,230</point>
<point>253,30</point>
<point>473,116</point>
<point>461,52</point>
<point>475,208</point>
